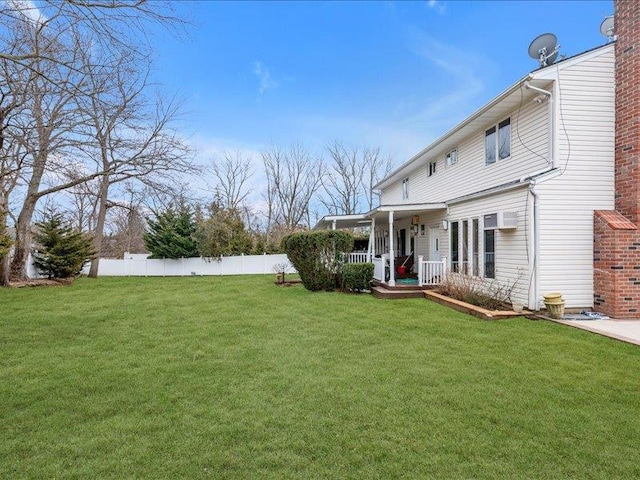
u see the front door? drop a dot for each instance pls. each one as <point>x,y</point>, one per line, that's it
<point>434,244</point>
<point>402,242</point>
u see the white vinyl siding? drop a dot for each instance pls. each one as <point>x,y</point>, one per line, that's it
<point>528,154</point>
<point>511,256</point>
<point>585,140</point>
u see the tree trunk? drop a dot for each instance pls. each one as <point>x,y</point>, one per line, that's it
<point>98,234</point>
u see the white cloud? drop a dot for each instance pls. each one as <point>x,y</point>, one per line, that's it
<point>264,77</point>
<point>436,5</point>
<point>28,9</point>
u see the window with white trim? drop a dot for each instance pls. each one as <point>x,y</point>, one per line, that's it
<point>490,225</point>
<point>451,157</point>
<point>405,188</point>
<point>455,246</point>
<point>497,142</point>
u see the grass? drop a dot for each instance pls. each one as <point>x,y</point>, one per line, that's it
<point>237,378</point>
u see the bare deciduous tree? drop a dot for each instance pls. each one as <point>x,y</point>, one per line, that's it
<point>351,174</point>
<point>232,173</point>
<point>293,177</point>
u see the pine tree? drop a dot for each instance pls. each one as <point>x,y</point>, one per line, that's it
<point>223,233</point>
<point>170,235</point>
<point>5,245</point>
<point>62,251</point>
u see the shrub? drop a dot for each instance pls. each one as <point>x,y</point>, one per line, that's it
<point>491,295</point>
<point>357,277</point>
<point>317,256</point>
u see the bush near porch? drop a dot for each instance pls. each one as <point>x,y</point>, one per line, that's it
<point>318,256</point>
<point>234,377</point>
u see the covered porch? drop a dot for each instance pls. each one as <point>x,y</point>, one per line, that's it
<point>407,242</point>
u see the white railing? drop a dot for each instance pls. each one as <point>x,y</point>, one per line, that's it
<point>357,257</point>
<point>431,273</point>
<point>378,267</point>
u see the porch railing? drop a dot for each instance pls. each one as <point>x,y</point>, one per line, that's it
<point>357,257</point>
<point>431,272</point>
<point>379,264</point>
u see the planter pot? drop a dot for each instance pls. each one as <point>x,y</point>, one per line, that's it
<point>517,307</point>
<point>552,297</point>
<point>555,309</point>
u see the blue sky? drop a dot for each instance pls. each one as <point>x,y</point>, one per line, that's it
<point>390,74</point>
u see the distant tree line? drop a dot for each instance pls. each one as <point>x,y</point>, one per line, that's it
<point>85,134</point>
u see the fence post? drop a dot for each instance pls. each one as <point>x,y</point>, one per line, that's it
<point>420,267</point>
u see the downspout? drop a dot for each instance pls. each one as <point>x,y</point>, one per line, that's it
<point>551,164</point>
<point>536,248</point>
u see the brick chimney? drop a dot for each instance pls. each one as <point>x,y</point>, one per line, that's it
<point>616,248</point>
<point>627,160</point>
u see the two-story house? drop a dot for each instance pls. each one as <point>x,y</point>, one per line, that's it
<point>510,193</point>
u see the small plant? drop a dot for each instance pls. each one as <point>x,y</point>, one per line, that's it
<point>357,277</point>
<point>280,269</point>
<point>491,295</point>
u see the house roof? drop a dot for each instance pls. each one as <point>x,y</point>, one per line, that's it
<point>492,112</point>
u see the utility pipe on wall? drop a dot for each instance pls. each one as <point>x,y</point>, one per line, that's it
<point>551,157</point>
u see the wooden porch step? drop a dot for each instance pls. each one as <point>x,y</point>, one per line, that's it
<point>381,292</point>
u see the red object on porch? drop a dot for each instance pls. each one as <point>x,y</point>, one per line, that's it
<point>402,270</point>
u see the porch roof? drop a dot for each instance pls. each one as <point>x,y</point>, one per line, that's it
<point>382,212</point>
<point>404,210</point>
<point>343,221</point>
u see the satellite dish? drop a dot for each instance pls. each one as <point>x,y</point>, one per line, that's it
<point>606,28</point>
<point>544,49</point>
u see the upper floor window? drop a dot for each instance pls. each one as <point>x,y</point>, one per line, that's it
<point>405,188</point>
<point>432,168</point>
<point>497,142</point>
<point>452,157</point>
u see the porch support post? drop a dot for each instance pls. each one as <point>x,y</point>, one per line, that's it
<point>372,241</point>
<point>420,274</point>
<point>392,255</point>
<point>333,225</point>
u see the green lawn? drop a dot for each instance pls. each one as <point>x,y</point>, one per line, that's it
<point>238,378</point>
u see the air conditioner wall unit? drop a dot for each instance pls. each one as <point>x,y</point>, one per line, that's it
<point>507,220</point>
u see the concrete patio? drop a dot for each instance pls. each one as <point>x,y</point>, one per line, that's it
<point>623,330</point>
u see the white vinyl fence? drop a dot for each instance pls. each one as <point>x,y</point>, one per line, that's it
<point>137,266</point>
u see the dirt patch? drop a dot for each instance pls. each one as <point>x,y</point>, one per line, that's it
<point>42,282</point>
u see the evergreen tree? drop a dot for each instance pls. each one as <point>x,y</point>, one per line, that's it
<point>5,245</point>
<point>223,233</point>
<point>170,235</point>
<point>62,251</point>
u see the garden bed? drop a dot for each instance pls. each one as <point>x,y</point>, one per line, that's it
<point>471,309</point>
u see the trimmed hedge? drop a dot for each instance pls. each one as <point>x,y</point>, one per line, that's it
<point>357,277</point>
<point>317,256</point>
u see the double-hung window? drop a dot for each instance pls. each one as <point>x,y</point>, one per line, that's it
<point>497,142</point>
<point>432,167</point>
<point>452,157</point>
<point>405,188</point>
